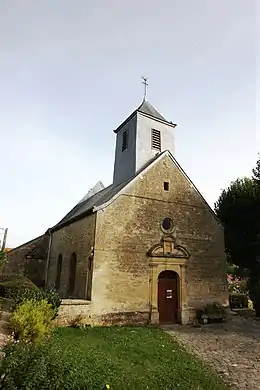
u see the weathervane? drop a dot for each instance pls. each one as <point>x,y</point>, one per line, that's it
<point>144,81</point>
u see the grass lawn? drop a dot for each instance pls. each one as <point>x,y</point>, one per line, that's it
<point>123,357</point>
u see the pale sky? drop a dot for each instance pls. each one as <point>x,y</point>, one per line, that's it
<point>70,73</point>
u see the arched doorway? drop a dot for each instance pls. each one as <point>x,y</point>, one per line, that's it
<point>168,297</point>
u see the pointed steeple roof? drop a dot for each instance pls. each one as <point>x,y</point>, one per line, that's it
<point>147,109</point>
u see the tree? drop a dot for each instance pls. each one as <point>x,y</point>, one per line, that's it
<point>237,272</point>
<point>256,181</point>
<point>256,172</point>
<point>238,207</point>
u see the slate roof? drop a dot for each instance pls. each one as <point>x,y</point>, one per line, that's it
<point>98,187</point>
<point>30,246</point>
<point>40,250</point>
<point>147,109</point>
<point>87,204</point>
<point>86,207</point>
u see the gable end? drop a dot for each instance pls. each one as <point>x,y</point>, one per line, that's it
<point>154,161</point>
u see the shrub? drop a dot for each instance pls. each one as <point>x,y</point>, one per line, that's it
<point>12,285</point>
<point>254,293</point>
<point>32,366</point>
<point>212,312</point>
<point>238,301</point>
<point>21,295</point>
<point>24,294</point>
<point>53,299</point>
<point>32,320</point>
<point>236,285</point>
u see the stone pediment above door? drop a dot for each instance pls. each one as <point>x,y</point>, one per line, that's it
<point>168,247</point>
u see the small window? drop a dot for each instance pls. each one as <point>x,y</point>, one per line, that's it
<point>125,140</point>
<point>156,139</point>
<point>167,224</point>
<point>166,186</point>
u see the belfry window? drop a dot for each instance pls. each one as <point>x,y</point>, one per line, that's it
<point>125,140</point>
<point>156,139</point>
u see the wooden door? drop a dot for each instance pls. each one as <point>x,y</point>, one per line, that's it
<point>167,297</point>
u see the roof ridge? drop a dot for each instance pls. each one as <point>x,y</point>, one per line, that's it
<point>146,108</point>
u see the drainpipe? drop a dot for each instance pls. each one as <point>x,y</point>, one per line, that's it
<point>48,258</point>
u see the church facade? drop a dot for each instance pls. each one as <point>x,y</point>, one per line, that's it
<point>147,249</point>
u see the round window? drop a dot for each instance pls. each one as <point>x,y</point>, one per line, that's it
<point>167,224</point>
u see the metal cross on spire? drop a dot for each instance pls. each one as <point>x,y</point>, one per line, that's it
<point>144,81</point>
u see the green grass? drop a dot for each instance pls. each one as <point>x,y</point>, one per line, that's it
<point>123,357</point>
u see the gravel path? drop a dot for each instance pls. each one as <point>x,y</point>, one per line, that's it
<point>232,349</point>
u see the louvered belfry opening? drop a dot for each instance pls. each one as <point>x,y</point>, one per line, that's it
<point>156,139</point>
<point>125,140</point>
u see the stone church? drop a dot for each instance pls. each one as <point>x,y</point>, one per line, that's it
<point>147,249</point>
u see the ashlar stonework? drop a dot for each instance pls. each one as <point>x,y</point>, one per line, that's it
<point>147,248</point>
<point>125,277</point>
<point>131,250</point>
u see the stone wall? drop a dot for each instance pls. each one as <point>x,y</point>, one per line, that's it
<point>79,312</point>
<point>123,280</point>
<point>130,226</point>
<point>77,238</point>
<point>74,311</point>
<point>29,259</point>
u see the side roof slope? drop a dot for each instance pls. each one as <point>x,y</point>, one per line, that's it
<point>87,206</point>
<point>106,195</point>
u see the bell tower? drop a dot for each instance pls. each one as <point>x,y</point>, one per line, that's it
<point>138,139</point>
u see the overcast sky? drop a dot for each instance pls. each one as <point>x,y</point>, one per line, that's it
<point>70,73</point>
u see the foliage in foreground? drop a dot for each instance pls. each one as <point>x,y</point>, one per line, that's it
<point>10,285</point>
<point>20,289</point>
<point>238,207</point>
<point>22,295</point>
<point>237,285</point>
<point>212,312</point>
<point>125,358</point>
<point>32,320</point>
